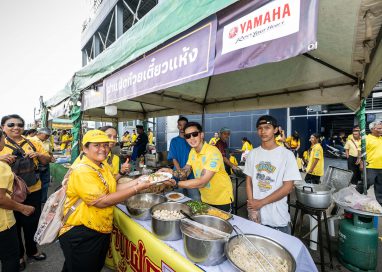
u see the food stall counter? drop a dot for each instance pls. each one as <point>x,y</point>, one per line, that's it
<point>135,248</point>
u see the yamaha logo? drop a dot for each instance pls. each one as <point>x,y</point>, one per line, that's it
<point>233,32</point>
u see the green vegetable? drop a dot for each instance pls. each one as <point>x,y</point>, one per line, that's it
<point>198,207</point>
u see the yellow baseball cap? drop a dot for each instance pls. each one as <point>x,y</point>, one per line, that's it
<point>95,136</point>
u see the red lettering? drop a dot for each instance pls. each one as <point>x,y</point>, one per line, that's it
<point>276,12</point>
<point>151,267</point>
<point>134,258</point>
<point>286,10</point>
<point>242,26</point>
<point>258,21</point>
<point>249,25</point>
<point>267,18</point>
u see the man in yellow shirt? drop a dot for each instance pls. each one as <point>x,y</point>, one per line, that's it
<point>214,139</point>
<point>353,154</point>
<point>126,139</point>
<point>207,164</point>
<point>134,136</point>
<point>374,160</point>
<point>151,136</point>
<point>315,168</point>
<point>65,140</point>
<point>43,137</point>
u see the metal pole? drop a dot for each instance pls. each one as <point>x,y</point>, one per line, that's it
<point>362,125</point>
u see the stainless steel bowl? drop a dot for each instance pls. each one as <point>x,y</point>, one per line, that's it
<point>206,252</point>
<point>168,230</point>
<point>143,213</point>
<point>314,195</point>
<point>267,246</point>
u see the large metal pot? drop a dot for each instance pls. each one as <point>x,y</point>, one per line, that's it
<point>206,252</point>
<point>168,230</point>
<point>314,195</point>
<point>266,245</point>
<point>143,213</point>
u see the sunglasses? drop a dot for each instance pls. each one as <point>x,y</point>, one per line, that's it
<point>11,125</point>
<point>193,134</point>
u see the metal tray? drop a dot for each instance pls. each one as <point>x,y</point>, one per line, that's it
<point>270,246</point>
<point>212,208</point>
<point>346,208</point>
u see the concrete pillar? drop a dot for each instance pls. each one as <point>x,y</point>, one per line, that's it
<point>84,57</point>
<point>118,21</point>
<point>96,45</point>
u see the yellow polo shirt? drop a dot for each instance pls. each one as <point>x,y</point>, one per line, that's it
<point>28,149</point>
<point>65,138</point>
<point>353,147</point>
<point>114,163</point>
<point>293,143</point>
<point>85,183</point>
<point>127,140</point>
<point>316,153</point>
<point>246,147</point>
<point>213,141</point>
<point>134,138</point>
<point>374,151</point>
<point>218,191</point>
<point>278,140</point>
<point>151,137</point>
<point>7,219</point>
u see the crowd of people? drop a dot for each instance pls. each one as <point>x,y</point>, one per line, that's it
<point>201,170</point>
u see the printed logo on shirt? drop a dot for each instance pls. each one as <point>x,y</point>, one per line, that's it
<point>204,159</point>
<point>198,172</point>
<point>264,182</point>
<point>213,164</point>
<point>265,166</point>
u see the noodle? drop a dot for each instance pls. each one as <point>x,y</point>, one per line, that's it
<point>243,258</point>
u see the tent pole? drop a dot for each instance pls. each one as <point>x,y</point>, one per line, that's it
<point>362,124</point>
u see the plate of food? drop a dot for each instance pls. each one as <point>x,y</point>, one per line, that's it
<point>134,173</point>
<point>174,196</point>
<point>199,207</point>
<point>157,177</point>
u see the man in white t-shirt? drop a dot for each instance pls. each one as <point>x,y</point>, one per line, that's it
<point>271,171</point>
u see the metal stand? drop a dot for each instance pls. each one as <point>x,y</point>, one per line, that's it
<point>317,214</point>
<point>238,181</point>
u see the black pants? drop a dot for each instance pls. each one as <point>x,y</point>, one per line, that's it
<point>28,225</point>
<point>355,169</point>
<point>225,207</point>
<point>309,178</point>
<point>374,177</point>
<point>84,249</point>
<point>9,250</point>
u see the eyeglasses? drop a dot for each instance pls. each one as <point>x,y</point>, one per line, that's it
<point>11,125</point>
<point>193,134</point>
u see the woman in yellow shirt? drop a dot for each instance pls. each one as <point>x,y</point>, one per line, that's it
<point>112,160</point>
<point>293,142</point>
<point>206,162</point>
<point>9,246</point>
<point>85,237</point>
<point>24,156</point>
<point>315,168</point>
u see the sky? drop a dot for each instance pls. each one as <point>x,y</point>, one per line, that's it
<point>39,50</point>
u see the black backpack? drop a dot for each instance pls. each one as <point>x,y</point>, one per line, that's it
<point>24,167</point>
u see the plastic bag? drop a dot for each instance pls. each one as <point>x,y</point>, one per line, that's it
<point>349,197</point>
<point>254,215</point>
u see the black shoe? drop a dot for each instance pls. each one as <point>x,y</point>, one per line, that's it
<point>40,257</point>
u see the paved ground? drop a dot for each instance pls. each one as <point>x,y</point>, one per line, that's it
<point>55,258</point>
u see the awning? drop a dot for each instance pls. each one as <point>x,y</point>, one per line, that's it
<point>348,53</point>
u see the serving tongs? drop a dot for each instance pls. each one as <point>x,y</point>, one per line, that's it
<point>253,249</point>
<point>206,229</point>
